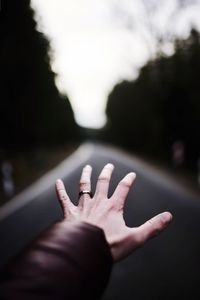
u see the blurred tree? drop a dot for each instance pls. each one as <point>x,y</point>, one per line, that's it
<point>162,105</point>
<point>182,106</point>
<point>32,112</point>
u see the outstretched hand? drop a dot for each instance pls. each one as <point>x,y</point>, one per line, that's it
<point>107,213</point>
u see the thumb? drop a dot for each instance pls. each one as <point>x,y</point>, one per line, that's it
<point>153,227</point>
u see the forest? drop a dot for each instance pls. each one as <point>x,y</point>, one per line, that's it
<point>159,113</point>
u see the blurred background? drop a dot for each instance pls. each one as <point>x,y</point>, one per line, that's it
<point>121,72</point>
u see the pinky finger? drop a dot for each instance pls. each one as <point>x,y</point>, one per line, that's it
<point>63,198</point>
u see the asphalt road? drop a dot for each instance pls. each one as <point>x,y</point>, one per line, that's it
<point>167,267</point>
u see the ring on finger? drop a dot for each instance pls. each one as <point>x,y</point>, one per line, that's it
<point>85,192</point>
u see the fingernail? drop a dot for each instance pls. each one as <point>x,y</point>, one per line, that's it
<point>166,217</point>
<point>88,166</point>
<point>131,174</point>
<point>109,165</point>
<point>59,182</point>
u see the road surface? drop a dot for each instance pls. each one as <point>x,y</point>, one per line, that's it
<point>167,267</point>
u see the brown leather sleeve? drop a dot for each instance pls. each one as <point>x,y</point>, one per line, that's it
<point>68,261</point>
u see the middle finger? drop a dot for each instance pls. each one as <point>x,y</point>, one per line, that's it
<point>104,180</point>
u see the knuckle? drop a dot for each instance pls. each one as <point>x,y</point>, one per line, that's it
<point>63,197</point>
<point>125,184</point>
<point>139,238</point>
<point>83,183</point>
<point>150,222</point>
<point>103,178</point>
<point>161,224</point>
<point>111,206</point>
<point>156,225</point>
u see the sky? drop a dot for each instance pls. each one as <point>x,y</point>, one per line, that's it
<point>98,43</point>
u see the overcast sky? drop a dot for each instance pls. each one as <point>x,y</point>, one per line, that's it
<point>98,43</point>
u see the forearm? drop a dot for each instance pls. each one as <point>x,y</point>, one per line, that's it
<point>68,261</point>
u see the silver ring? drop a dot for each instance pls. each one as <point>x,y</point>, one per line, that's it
<point>85,192</point>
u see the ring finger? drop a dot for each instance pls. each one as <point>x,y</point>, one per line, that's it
<point>85,183</point>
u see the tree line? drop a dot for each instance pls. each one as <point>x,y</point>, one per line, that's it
<point>32,111</point>
<point>161,108</point>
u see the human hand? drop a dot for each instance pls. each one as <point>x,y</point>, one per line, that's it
<point>107,213</point>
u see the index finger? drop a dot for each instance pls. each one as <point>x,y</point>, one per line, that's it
<point>104,180</point>
<point>121,192</point>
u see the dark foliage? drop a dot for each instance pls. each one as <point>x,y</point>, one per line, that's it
<point>162,106</point>
<point>32,112</point>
